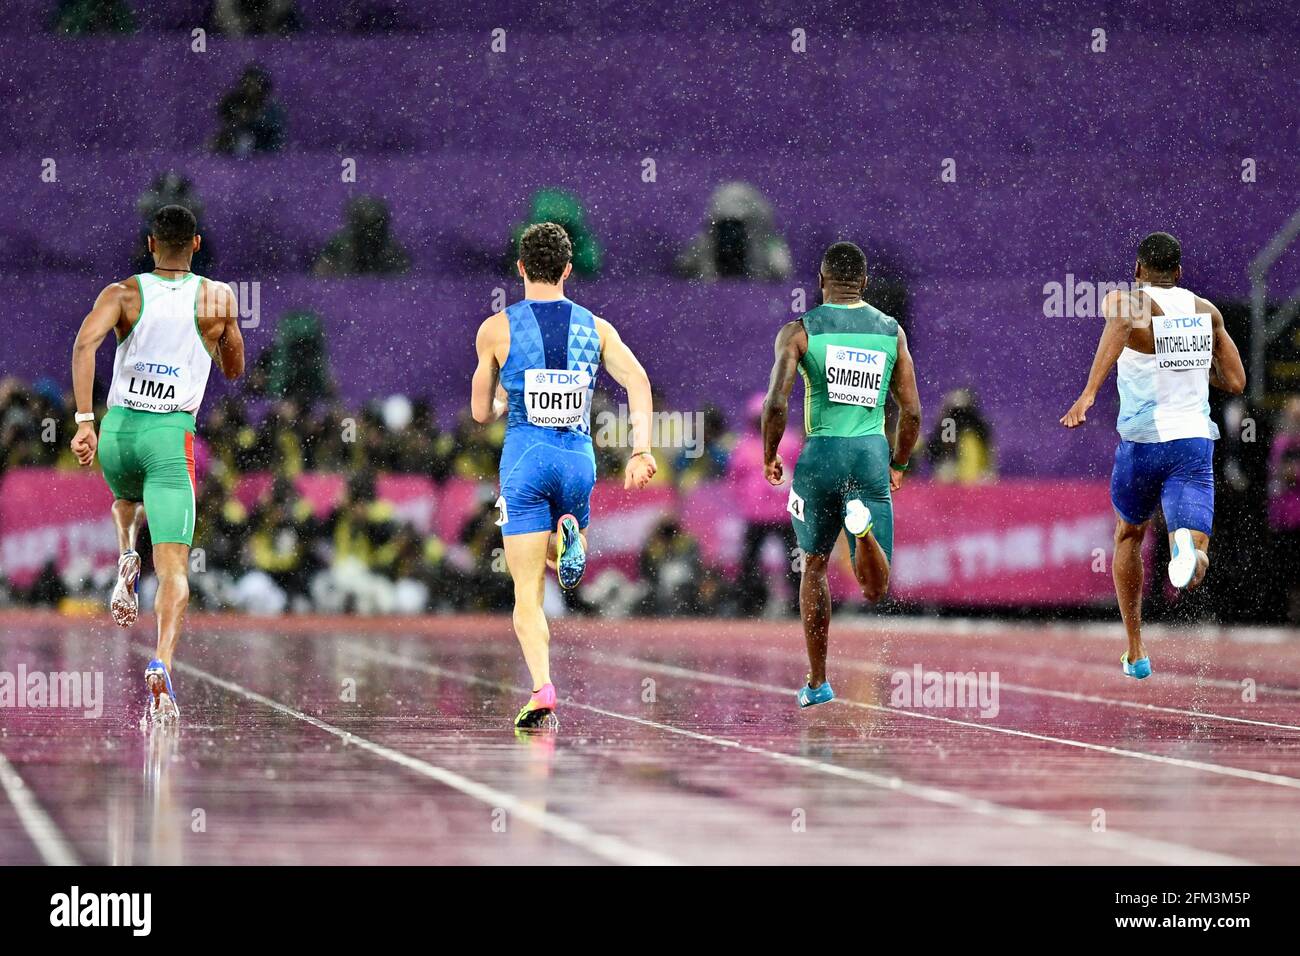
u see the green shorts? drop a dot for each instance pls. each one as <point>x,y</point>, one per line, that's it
<point>830,473</point>
<point>149,457</point>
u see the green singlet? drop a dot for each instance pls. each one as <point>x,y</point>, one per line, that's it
<point>846,371</point>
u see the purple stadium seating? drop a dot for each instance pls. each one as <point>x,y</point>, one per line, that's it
<point>1064,159</point>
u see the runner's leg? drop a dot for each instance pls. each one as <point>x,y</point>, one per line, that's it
<point>526,556</point>
<point>167,455</point>
<point>171,562</point>
<point>1128,573</point>
<point>125,478</point>
<point>127,518</point>
<point>871,568</point>
<point>869,484</point>
<point>1201,543</point>
<point>815,607</point>
<point>1188,502</point>
<point>1136,483</point>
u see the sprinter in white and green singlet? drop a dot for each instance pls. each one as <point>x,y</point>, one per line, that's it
<point>851,357</point>
<point>170,325</point>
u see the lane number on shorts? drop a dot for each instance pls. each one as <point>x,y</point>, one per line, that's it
<point>795,506</point>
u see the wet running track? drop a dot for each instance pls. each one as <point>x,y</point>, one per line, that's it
<point>377,741</point>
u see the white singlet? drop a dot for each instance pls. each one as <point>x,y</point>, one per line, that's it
<point>1166,396</point>
<point>163,363</point>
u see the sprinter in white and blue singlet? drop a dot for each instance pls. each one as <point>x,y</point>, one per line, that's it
<point>1170,346</point>
<point>537,364</point>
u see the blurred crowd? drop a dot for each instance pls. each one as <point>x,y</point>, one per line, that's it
<point>280,552</point>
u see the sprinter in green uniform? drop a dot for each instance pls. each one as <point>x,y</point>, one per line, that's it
<point>170,326</point>
<point>851,356</point>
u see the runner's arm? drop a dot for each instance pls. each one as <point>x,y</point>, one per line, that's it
<point>791,344</point>
<point>484,387</point>
<point>1226,371</point>
<point>1118,312</point>
<point>102,319</point>
<point>230,346</point>
<point>902,385</point>
<point>628,372</point>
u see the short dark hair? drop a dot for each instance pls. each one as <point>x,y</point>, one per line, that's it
<point>1160,252</point>
<point>844,262</point>
<point>173,226</point>
<point>545,250</point>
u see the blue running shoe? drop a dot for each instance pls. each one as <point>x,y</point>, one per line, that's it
<point>1140,668</point>
<point>570,554</point>
<point>812,696</point>
<point>159,682</point>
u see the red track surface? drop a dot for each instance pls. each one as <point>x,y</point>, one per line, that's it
<point>679,742</point>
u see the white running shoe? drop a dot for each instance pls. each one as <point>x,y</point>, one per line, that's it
<point>1185,559</point>
<point>857,518</point>
<point>125,605</point>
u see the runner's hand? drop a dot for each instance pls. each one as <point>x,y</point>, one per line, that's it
<point>640,469</point>
<point>774,471</point>
<point>895,479</point>
<point>1078,413</point>
<point>85,443</point>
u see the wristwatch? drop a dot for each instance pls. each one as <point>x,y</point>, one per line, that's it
<point>897,467</point>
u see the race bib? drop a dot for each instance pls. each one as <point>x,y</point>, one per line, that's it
<point>854,376</point>
<point>153,386</point>
<point>556,398</point>
<point>1183,342</point>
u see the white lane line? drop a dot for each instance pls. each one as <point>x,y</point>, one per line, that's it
<point>1159,851</point>
<point>919,624</point>
<point>861,627</point>
<point>872,667</point>
<point>606,847</point>
<point>50,842</point>
<point>1255,776</point>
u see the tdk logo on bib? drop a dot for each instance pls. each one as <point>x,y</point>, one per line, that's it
<point>1183,342</point>
<point>556,398</point>
<point>560,378</point>
<point>154,368</point>
<point>854,376</point>
<point>858,356</point>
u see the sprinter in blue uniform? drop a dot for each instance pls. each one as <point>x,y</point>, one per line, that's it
<point>537,364</point>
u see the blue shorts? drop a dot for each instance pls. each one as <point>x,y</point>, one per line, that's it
<point>545,474</point>
<point>1177,475</point>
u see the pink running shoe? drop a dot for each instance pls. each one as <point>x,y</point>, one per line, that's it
<point>540,709</point>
